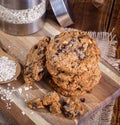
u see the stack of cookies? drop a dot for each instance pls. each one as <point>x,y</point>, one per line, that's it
<point>72,60</point>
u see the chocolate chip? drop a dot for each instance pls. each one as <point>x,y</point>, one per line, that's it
<point>80,37</point>
<point>39,73</point>
<point>62,72</point>
<point>40,52</point>
<point>56,41</point>
<point>81,48</point>
<point>59,79</point>
<point>78,114</point>
<point>81,86</point>
<point>34,104</point>
<point>63,103</point>
<point>69,83</point>
<point>82,99</point>
<point>73,67</point>
<point>35,46</point>
<point>48,39</point>
<point>66,106</point>
<point>56,36</point>
<point>88,91</point>
<point>57,54</point>
<point>68,115</point>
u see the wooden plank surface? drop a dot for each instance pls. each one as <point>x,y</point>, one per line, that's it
<point>103,94</point>
<point>115,24</point>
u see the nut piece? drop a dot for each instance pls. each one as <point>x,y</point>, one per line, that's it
<point>35,104</point>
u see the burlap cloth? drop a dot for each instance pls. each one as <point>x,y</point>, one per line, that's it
<point>107,44</point>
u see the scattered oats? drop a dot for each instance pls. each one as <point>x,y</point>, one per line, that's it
<point>26,88</point>
<point>30,87</point>
<point>7,69</point>
<point>32,113</point>
<point>25,100</point>
<point>23,113</point>
<point>9,84</point>
<point>26,96</point>
<point>20,91</point>
<point>9,47</point>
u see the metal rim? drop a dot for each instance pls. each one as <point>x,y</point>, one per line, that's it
<point>61,11</point>
<point>22,29</point>
<point>19,4</point>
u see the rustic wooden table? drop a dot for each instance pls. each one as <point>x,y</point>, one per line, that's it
<point>87,17</point>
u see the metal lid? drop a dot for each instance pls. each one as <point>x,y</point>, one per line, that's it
<point>61,11</point>
<point>19,4</point>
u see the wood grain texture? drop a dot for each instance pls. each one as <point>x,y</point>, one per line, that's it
<point>103,94</point>
<point>86,16</point>
<point>115,24</point>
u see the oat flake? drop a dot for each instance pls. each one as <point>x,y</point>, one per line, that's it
<point>7,69</point>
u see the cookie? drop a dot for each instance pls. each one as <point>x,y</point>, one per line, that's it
<point>35,104</point>
<point>70,82</point>
<point>72,108</point>
<point>35,62</point>
<point>64,92</point>
<point>51,101</point>
<point>93,81</point>
<point>72,52</point>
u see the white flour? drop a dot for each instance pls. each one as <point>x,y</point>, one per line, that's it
<point>7,69</point>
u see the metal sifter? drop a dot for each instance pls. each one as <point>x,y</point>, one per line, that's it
<point>22,17</point>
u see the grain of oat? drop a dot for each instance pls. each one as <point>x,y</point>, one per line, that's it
<point>7,69</point>
<point>22,16</point>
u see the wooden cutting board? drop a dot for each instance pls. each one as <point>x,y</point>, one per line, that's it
<point>18,46</point>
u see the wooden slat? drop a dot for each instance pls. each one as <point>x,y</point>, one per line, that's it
<point>115,23</point>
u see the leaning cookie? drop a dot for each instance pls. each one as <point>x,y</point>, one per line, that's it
<point>35,62</point>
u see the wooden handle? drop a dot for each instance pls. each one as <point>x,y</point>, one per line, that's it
<point>97,3</point>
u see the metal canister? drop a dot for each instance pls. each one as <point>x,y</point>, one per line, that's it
<point>62,12</point>
<point>22,17</point>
